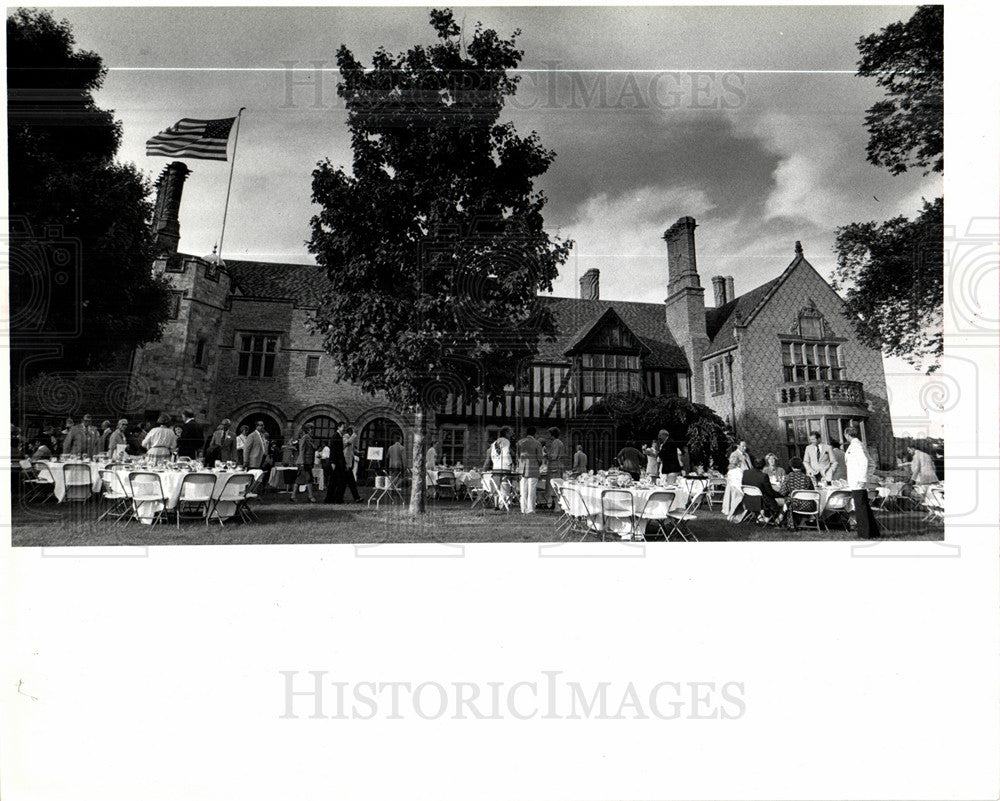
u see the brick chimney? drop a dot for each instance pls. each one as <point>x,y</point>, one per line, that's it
<point>166,214</point>
<point>719,287</point>
<point>730,290</point>
<point>685,303</point>
<point>590,285</point>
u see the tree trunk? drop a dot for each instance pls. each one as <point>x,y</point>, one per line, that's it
<point>417,490</point>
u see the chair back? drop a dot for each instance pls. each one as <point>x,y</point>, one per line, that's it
<point>839,501</point>
<point>146,486</point>
<point>753,499</point>
<point>618,511</point>
<point>658,505</point>
<point>445,478</point>
<point>78,482</point>
<point>196,488</point>
<point>236,486</point>
<point>806,502</point>
<point>575,506</point>
<point>42,472</point>
<point>111,485</point>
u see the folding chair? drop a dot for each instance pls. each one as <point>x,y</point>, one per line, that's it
<point>445,484</point>
<point>246,513</point>
<point>564,523</point>
<point>934,503</point>
<point>148,497</point>
<point>233,492</point>
<point>716,492</point>
<point>583,520</point>
<point>879,502</point>
<point>113,491</point>
<point>79,484</point>
<point>753,502</point>
<point>839,504</point>
<point>385,487</point>
<point>196,493</point>
<point>804,503</point>
<point>36,480</point>
<point>679,519</point>
<point>498,495</point>
<point>657,507</point>
<point>618,513</point>
<point>478,495</point>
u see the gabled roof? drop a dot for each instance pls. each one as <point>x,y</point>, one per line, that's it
<point>575,318</point>
<point>720,322</point>
<point>591,328</point>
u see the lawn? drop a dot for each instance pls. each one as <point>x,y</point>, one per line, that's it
<point>52,525</point>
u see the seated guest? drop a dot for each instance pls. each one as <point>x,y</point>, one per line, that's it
<point>796,480</point>
<point>772,470</point>
<point>630,460</point>
<point>42,453</point>
<point>755,477</point>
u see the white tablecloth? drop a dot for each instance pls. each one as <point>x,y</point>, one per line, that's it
<point>282,474</point>
<point>57,469</point>
<point>615,505</point>
<point>465,477</point>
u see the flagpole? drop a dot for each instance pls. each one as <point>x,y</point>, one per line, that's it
<point>229,186</point>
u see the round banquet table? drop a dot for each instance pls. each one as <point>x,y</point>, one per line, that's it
<point>617,507</point>
<point>57,470</point>
<point>171,481</point>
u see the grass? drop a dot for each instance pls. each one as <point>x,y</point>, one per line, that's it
<point>282,523</point>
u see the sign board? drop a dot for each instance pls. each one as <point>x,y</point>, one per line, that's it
<point>374,454</point>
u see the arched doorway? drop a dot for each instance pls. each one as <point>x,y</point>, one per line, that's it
<point>378,433</point>
<point>323,428</point>
<point>271,426</point>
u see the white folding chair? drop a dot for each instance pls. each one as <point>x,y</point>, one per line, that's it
<point>148,498</point>
<point>114,492</point>
<point>657,507</point>
<point>804,503</point>
<point>478,495</point>
<point>499,495</point>
<point>246,513</point>
<point>716,492</point>
<point>36,480</point>
<point>618,513</point>
<point>679,518</point>
<point>196,494</point>
<point>445,484</point>
<point>933,503</point>
<point>583,520</point>
<point>79,483</point>
<point>839,504</point>
<point>565,521</point>
<point>233,492</point>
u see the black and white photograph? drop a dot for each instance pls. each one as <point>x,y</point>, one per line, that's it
<point>334,322</point>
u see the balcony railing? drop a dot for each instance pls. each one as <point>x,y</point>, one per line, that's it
<point>851,392</point>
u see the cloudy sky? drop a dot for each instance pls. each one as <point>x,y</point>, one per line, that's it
<point>749,119</point>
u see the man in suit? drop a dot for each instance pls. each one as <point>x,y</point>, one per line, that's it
<point>338,465</point>
<point>192,436</point>
<point>756,477</point>
<point>670,463</point>
<point>82,438</point>
<point>529,460</point>
<point>921,467</point>
<point>105,436</point>
<point>222,446</point>
<point>818,459</point>
<point>255,448</point>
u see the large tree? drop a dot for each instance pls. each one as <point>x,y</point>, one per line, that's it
<point>434,242</point>
<point>80,245</point>
<point>906,129</point>
<point>892,272</point>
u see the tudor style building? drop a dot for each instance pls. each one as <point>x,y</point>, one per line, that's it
<point>777,362</point>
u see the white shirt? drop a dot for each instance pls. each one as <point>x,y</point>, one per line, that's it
<point>857,464</point>
<point>500,455</point>
<point>325,452</point>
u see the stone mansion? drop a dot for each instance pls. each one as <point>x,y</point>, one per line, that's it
<point>776,362</point>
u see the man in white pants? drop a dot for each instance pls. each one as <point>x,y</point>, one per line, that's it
<point>529,460</point>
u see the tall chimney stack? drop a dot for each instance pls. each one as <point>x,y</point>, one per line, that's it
<point>719,286</point>
<point>590,285</point>
<point>730,289</point>
<point>166,215</point>
<point>685,303</point>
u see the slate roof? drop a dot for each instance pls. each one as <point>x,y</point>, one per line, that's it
<point>299,283</point>
<point>574,317</point>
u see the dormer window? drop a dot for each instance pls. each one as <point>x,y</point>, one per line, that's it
<point>810,324</point>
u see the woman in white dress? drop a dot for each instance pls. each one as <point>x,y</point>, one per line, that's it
<point>500,459</point>
<point>733,496</point>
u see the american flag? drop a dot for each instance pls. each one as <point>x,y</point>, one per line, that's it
<point>195,139</point>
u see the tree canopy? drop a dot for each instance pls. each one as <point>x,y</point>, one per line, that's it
<point>434,242</point>
<point>80,245</point>
<point>906,129</point>
<point>892,276</point>
<point>639,418</point>
<point>892,272</point>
